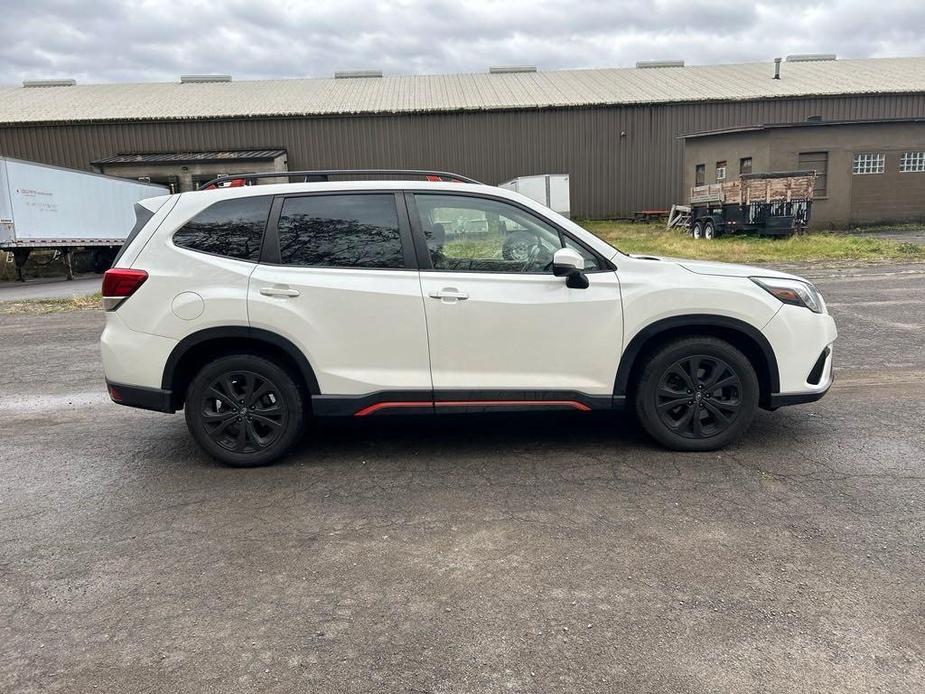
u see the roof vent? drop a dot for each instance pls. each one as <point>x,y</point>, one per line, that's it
<point>660,63</point>
<point>198,79</point>
<point>49,83</point>
<point>508,69</point>
<point>355,74</point>
<point>810,57</point>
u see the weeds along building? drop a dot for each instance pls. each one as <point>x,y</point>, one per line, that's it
<point>620,133</point>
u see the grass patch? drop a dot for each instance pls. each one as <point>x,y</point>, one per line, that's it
<point>41,306</point>
<point>656,240</point>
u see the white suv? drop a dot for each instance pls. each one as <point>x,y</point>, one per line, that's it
<point>253,307</point>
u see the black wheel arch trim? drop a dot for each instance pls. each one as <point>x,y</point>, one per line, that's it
<point>694,321</point>
<point>241,332</point>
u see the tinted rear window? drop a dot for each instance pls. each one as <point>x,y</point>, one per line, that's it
<point>232,228</point>
<point>340,231</point>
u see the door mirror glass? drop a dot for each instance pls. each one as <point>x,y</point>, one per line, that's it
<point>566,261</point>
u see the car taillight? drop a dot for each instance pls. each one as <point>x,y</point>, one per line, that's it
<point>119,283</point>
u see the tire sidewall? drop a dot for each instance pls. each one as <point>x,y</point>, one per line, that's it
<point>288,391</point>
<point>668,355</point>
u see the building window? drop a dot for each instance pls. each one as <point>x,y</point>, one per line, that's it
<point>911,162</point>
<point>868,163</point>
<point>700,174</point>
<point>818,162</point>
<point>745,165</point>
<point>720,171</point>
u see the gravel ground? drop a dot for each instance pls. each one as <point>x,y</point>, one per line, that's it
<point>554,553</point>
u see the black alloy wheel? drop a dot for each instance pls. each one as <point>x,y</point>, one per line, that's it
<point>244,410</point>
<point>698,396</point>
<point>696,393</point>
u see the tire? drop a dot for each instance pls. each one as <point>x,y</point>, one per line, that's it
<point>697,231</point>
<point>244,410</point>
<point>517,246</point>
<point>682,417</point>
<point>708,232</point>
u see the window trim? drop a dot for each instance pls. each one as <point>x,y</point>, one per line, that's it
<point>425,263</point>
<point>911,155</point>
<point>880,157</point>
<point>271,237</point>
<point>263,237</point>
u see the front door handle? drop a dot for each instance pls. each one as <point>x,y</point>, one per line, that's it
<point>449,294</point>
<point>278,291</point>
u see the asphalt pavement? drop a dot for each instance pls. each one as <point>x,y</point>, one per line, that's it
<point>525,553</point>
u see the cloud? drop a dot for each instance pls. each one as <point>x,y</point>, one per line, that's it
<point>157,40</point>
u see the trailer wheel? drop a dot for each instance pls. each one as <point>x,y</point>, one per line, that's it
<point>697,231</point>
<point>708,232</point>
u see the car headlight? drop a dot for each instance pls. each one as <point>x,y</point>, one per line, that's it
<point>792,292</point>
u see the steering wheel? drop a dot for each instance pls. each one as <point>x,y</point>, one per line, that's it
<point>534,253</point>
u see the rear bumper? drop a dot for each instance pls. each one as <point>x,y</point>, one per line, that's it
<point>156,399</point>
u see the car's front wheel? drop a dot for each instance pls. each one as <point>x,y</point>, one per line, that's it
<point>697,394</point>
<point>244,410</point>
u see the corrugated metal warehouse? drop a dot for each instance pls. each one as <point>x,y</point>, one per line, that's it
<point>617,132</point>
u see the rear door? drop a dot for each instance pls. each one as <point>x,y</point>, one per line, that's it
<point>338,278</point>
<point>498,319</point>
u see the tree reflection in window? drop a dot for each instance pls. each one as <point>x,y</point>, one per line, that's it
<point>232,228</point>
<point>340,231</point>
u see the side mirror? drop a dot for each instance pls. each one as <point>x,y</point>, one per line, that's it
<point>568,263</point>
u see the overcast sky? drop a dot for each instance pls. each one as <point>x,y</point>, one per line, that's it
<point>157,40</point>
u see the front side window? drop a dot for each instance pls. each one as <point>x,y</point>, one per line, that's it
<point>467,234</point>
<point>340,231</point>
<point>232,228</point>
<point>911,162</point>
<point>720,171</point>
<point>868,163</point>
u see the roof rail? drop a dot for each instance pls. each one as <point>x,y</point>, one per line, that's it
<point>324,173</point>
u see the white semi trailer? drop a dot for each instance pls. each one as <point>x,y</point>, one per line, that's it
<point>63,210</point>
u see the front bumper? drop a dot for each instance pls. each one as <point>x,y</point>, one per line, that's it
<point>156,399</point>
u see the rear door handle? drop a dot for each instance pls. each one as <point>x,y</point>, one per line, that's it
<point>449,293</point>
<point>278,291</point>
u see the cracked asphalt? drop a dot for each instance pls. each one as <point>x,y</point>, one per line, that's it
<point>553,553</point>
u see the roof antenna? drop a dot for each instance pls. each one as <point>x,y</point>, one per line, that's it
<point>777,68</point>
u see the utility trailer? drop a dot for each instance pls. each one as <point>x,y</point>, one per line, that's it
<point>63,210</point>
<point>551,190</point>
<point>771,204</point>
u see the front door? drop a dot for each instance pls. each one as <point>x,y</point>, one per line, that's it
<point>339,281</point>
<point>499,323</point>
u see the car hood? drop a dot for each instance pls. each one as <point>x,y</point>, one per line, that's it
<point>709,267</point>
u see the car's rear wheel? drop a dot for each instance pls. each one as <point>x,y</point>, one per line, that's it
<point>697,394</point>
<point>697,231</point>
<point>708,232</point>
<point>244,410</point>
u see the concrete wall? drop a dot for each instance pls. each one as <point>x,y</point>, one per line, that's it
<point>850,199</point>
<point>620,158</point>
